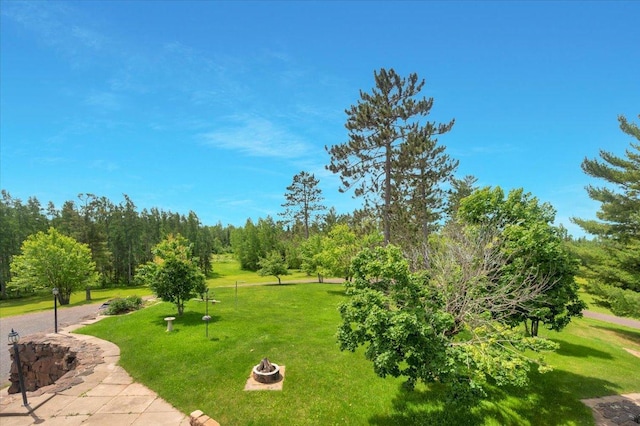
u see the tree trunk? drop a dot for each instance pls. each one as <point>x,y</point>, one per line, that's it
<point>387,196</point>
<point>534,327</point>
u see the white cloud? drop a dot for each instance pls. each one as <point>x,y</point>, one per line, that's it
<point>105,165</point>
<point>257,137</point>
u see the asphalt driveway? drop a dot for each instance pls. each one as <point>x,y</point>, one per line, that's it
<point>39,322</point>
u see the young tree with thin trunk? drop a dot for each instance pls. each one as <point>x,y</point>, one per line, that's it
<point>173,275</point>
<point>387,137</point>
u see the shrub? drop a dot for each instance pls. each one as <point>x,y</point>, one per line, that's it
<point>625,303</point>
<point>122,306</point>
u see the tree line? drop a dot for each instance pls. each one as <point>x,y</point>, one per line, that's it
<point>437,269</point>
<point>119,236</point>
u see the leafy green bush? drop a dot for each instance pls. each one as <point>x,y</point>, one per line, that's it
<point>625,303</point>
<point>121,306</point>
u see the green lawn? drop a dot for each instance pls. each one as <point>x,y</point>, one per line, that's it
<point>226,272</point>
<point>44,302</point>
<point>295,325</point>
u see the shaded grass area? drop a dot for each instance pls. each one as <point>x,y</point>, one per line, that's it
<point>295,325</point>
<point>44,301</point>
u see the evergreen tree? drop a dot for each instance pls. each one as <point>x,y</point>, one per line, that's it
<point>387,138</point>
<point>303,199</point>
<point>617,226</point>
<point>460,188</point>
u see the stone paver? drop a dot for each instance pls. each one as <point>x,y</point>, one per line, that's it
<point>108,396</point>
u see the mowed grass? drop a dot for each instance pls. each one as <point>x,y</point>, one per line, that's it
<point>226,272</point>
<point>295,326</point>
<point>44,301</point>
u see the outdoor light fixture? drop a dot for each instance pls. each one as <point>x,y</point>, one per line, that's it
<point>14,338</point>
<point>55,308</point>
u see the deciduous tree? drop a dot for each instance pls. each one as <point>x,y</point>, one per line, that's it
<point>437,325</point>
<point>173,275</point>
<point>530,242</point>
<point>274,264</point>
<point>52,260</point>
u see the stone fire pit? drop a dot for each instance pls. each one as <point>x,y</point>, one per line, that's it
<point>266,372</point>
<point>53,361</point>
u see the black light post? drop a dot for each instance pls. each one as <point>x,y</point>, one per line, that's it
<point>14,338</point>
<point>55,308</point>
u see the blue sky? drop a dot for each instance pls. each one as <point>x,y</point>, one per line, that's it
<point>215,106</point>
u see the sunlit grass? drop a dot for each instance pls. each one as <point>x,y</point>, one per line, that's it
<point>226,272</point>
<point>295,325</point>
<point>43,302</point>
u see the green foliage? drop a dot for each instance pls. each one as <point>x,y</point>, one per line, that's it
<point>120,237</point>
<point>122,306</point>
<point>52,260</point>
<point>309,252</point>
<point>174,274</point>
<point>253,242</point>
<point>460,188</point>
<point>533,247</point>
<point>17,222</point>
<point>392,158</point>
<point>408,329</point>
<point>616,262</point>
<point>331,256</point>
<point>274,265</point>
<point>294,326</point>
<point>624,303</point>
<point>304,198</point>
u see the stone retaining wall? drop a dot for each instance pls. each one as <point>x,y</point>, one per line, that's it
<point>53,360</point>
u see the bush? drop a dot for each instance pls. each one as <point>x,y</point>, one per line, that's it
<point>122,306</point>
<point>625,303</point>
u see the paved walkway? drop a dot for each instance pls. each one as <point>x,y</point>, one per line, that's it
<point>39,322</point>
<point>107,397</point>
<point>628,322</point>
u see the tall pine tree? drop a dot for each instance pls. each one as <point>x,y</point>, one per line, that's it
<point>389,145</point>
<point>618,224</point>
<point>304,198</point>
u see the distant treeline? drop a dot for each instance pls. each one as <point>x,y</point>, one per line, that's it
<point>120,237</point>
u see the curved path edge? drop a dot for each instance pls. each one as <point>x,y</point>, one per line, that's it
<point>108,396</point>
<point>627,322</point>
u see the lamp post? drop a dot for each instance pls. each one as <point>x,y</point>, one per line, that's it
<point>206,316</point>
<point>55,308</point>
<point>14,338</point>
